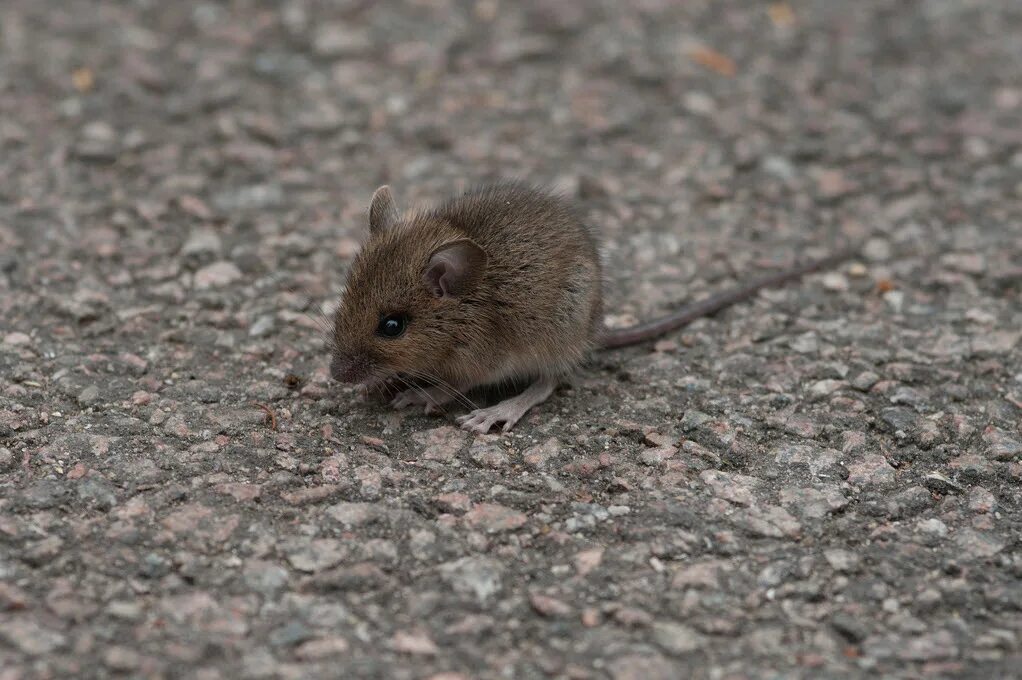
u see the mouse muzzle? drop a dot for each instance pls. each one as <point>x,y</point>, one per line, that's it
<point>350,369</point>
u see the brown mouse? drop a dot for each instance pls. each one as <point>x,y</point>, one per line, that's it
<point>499,285</point>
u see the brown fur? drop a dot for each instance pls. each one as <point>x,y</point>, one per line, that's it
<point>535,311</point>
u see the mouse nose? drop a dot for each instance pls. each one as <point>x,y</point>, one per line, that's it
<point>347,369</point>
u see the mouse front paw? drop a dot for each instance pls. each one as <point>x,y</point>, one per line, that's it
<point>432,400</point>
<point>509,411</point>
<point>407,398</point>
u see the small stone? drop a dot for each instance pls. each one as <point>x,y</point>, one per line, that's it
<point>322,648</point>
<point>976,545</point>
<point>1001,445</point>
<point>88,396</point>
<point>814,503</point>
<point>290,634</point>
<point>665,346</point>
<point>909,502</point>
<point>929,647</point>
<point>734,488</point>
<point>981,500</point>
<point>832,183</point>
<point>902,421</point>
<point>549,606</point>
<point>266,578</point>
<point>488,454</point>
<point>98,143</point>
<point>17,339</point>
<point>454,502</point>
<point>938,483</point>
<point>644,666</point>
<point>478,576</point>
<point>262,327</point>
<point>494,518</point>
<point>538,456</point>
<point>823,388</point>
<point>865,380</point>
<point>654,457</point>
<point>588,560</point>
<point>835,281</point>
<point>844,561</point>
<point>336,40</point>
<point>967,263</point>
<point>947,345</point>
<point>120,658</point>
<point>633,618</point>
<point>94,491</point>
<point>44,494</point>
<point>871,470</point>
<point>877,250</point>
<point>779,167</point>
<point>6,459</point>
<point>202,246</point>
<point>693,419</point>
<point>806,343</point>
<point>700,103</point>
<point>895,299</point>
<point>353,514</point>
<point>441,443</point>
<point>857,270</point>
<point>240,491</point>
<point>44,551</point>
<point>769,521</point>
<point>851,628</point>
<point>254,197</point>
<point>817,459</point>
<point>995,343</point>
<point>31,638</point>
<point>217,275</point>
<point>318,554</point>
<point>124,610</point>
<point>932,530</point>
<point>677,638</point>
<point>699,575</point>
<point>980,316</point>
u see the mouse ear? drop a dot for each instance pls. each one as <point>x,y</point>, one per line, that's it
<point>455,268</point>
<point>382,210</point>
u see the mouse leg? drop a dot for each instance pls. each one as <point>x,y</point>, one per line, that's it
<point>510,410</point>
<point>433,398</point>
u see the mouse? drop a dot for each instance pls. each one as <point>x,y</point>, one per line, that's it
<point>501,285</point>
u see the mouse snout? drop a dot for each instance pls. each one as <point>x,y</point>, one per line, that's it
<point>350,369</point>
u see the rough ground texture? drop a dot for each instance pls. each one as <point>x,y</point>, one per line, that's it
<point>824,482</point>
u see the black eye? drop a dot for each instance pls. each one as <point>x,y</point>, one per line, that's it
<point>392,325</point>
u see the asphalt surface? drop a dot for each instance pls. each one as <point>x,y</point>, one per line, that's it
<point>821,483</point>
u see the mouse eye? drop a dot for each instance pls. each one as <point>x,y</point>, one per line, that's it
<point>392,325</point>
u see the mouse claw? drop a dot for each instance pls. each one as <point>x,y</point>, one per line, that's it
<point>480,421</point>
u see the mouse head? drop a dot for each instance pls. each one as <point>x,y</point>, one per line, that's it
<point>412,295</point>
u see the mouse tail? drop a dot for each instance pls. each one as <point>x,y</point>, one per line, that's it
<point>623,337</point>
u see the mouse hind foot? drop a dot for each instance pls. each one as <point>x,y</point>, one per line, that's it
<point>509,411</point>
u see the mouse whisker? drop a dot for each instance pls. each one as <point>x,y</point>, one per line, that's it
<point>446,387</point>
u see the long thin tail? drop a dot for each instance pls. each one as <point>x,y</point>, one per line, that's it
<point>652,329</point>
